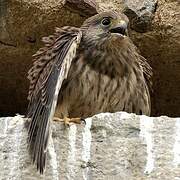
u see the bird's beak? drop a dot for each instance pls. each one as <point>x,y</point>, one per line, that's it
<point>120,28</point>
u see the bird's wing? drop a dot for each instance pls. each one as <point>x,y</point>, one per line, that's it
<point>147,72</point>
<point>50,68</point>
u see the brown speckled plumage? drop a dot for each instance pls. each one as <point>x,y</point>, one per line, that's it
<point>87,70</point>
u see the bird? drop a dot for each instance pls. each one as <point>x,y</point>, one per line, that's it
<point>83,71</point>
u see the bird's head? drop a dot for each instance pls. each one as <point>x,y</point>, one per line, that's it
<point>104,25</point>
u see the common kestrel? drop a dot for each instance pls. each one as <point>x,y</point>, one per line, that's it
<point>84,71</point>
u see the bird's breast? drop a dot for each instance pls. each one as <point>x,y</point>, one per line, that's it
<point>94,87</point>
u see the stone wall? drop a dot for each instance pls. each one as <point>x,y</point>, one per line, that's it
<point>117,146</point>
<point>154,29</point>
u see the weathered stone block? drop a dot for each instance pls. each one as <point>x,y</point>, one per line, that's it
<point>110,146</point>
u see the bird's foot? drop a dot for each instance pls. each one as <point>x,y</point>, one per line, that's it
<point>67,121</point>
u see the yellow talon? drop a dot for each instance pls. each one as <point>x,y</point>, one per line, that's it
<point>67,120</point>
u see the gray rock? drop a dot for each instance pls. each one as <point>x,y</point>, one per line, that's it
<point>140,13</point>
<point>110,146</point>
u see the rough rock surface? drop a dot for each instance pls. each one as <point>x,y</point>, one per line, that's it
<point>161,46</point>
<point>140,13</point>
<point>110,146</point>
<point>23,23</point>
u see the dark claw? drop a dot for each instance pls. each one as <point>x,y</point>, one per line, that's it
<point>67,125</point>
<point>83,120</point>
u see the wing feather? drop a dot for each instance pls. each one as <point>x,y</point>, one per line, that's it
<point>147,72</point>
<point>50,68</point>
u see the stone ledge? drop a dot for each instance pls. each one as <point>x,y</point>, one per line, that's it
<point>110,146</point>
<point>23,23</point>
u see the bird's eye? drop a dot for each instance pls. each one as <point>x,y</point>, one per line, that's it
<point>106,22</point>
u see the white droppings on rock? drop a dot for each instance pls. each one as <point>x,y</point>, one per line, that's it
<point>177,178</point>
<point>146,127</point>
<point>71,159</point>
<point>176,148</point>
<point>125,115</point>
<point>18,119</point>
<point>86,149</point>
<point>101,115</point>
<point>53,159</point>
<point>3,130</point>
<point>3,138</point>
<point>14,161</point>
